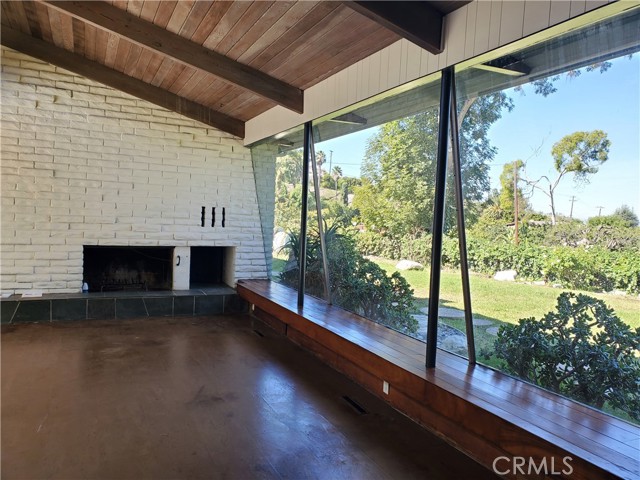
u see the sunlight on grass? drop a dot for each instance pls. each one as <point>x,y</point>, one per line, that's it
<point>506,301</point>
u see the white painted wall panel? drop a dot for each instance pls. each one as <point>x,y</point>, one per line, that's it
<point>470,35</point>
<point>511,21</point>
<point>441,60</point>
<point>536,16</point>
<point>393,70</point>
<point>455,28</point>
<point>494,24</point>
<point>472,30</point>
<point>341,88</point>
<point>560,11</point>
<point>483,22</point>
<point>384,70</point>
<point>577,7</point>
<point>363,80</point>
<point>424,62</point>
<point>352,76</point>
<point>375,65</point>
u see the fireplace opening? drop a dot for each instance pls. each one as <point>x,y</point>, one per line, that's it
<point>207,267</point>
<point>128,268</point>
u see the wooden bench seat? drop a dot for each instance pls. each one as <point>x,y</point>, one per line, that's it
<point>483,412</point>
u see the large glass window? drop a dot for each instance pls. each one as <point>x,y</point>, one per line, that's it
<point>377,169</point>
<point>553,153</point>
<point>278,171</point>
<point>550,171</point>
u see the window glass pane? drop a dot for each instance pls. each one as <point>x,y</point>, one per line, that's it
<point>552,156</point>
<point>278,172</point>
<point>315,272</point>
<point>377,170</point>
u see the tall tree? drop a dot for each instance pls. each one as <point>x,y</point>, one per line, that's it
<point>398,170</point>
<point>507,196</point>
<point>321,159</point>
<point>289,169</point>
<point>627,216</point>
<point>580,154</point>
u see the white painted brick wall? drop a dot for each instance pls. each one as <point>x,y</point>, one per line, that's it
<point>83,164</point>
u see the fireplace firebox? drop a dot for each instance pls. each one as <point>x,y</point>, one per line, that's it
<point>128,268</point>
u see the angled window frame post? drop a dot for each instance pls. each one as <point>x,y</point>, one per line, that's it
<point>438,215</point>
<point>323,245</point>
<point>462,236</point>
<point>302,259</point>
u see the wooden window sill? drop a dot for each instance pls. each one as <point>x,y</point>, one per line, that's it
<point>481,411</point>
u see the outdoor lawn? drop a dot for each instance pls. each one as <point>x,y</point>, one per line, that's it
<point>505,301</point>
<point>501,302</point>
<point>498,301</point>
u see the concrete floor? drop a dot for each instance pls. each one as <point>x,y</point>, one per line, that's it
<point>217,397</point>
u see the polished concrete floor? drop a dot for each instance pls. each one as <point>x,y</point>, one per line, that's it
<point>216,398</point>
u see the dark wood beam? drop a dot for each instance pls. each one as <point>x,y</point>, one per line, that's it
<point>418,22</point>
<point>168,44</point>
<point>95,71</point>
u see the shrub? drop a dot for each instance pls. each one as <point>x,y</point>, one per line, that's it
<point>593,267</point>
<point>622,217</point>
<point>372,243</point>
<point>610,236</point>
<point>582,350</point>
<point>625,271</point>
<point>582,268</point>
<point>491,257</point>
<point>579,268</point>
<point>417,249</point>
<point>357,284</point>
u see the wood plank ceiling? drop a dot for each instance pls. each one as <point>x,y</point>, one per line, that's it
<point>277,48</point>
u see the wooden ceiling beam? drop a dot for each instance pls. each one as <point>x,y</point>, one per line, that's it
<point>60,57</point>
<point>418,22</point>
<point>153,37</point>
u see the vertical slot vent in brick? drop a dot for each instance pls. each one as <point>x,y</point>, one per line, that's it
<point>224,213</point>
<point>202,215</point>
<point>213,216</point>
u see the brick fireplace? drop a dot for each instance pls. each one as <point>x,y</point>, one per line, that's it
<point>107,269</point>
<point>88,167</point>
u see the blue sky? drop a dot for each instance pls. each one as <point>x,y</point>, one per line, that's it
<point>609,101</point>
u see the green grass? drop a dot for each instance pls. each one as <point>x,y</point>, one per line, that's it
<point>278,265</point>
<point>501,302</point>
<point>506,301</point>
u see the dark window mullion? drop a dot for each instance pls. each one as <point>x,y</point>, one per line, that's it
<point>303,213</point>
<point>462,238</point>
<point>438,216</point>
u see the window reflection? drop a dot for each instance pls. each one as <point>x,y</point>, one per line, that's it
<point>555,213</point>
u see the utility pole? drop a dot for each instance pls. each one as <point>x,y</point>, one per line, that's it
<point>599,210</point>
<point>573,199</point>
<point>515,198</point>
<point>330,161</point>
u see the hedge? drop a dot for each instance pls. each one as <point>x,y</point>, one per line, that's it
<point>591,268</point>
